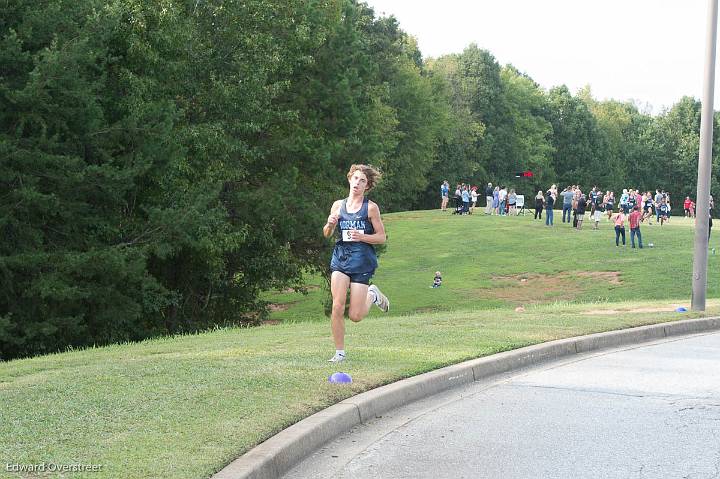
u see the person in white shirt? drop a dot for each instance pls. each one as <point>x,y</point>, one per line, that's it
<point>502,196</point>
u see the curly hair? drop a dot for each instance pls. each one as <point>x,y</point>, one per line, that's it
<point>372,174</point>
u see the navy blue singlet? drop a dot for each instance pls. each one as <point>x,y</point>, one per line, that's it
<point>353,256</point>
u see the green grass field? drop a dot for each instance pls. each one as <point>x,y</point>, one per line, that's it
<point>186,406</point>
<point>500,262</point>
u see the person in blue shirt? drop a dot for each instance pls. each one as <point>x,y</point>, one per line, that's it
<point>466,200</point>
<point>356,222</point>
<point>624,201</point>
<point>567,195</point>
<point>444,195</point>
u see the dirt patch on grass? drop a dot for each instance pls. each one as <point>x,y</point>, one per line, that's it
<point>275,307</point>
<point>610,312</point>
<point>612,277</point>
<point>540,279</point>
<point>299,290</point>
<point>533,288</point>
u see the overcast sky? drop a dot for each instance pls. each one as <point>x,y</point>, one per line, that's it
<point>650,51</point>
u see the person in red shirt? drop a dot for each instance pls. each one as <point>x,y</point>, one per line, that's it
<point>686,206</point>
<point>634,220</point>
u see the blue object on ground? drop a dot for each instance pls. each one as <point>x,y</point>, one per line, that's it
<point>681,309</point>
<point>340,378</point>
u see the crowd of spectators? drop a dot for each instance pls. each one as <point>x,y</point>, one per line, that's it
<point>633,206</point>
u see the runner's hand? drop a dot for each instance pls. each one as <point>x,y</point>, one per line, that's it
<point>332,219</point>
<point>356,235</point>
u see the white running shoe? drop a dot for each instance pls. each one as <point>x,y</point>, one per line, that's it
<point>338,358</point>
<point>381,302</point>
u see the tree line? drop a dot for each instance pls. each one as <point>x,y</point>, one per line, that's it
<point>163,163</point>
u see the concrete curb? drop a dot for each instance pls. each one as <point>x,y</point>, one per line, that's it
<point>280,453</point>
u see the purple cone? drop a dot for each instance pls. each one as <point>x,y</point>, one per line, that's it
<point>340,378</point>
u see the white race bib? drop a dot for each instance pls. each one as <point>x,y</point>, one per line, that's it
<point>346,235</point>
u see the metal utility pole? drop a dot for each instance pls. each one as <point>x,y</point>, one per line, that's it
<point>700,258</point>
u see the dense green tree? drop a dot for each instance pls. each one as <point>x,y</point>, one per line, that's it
<point>580,148</point>
<point>532,133</point>
<point>483,89</point>
<point>629,149</point>
<point>458,153</point>
<point>637,154</point>
<point>457,157</point>
<point>676,141</point>
<point>137,168</point>
<point>419,114</point>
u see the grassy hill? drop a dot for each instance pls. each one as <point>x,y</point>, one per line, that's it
<point>501,262</point>
<point>186,406</point>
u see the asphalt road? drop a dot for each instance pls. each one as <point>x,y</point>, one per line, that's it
<point>646,411</point>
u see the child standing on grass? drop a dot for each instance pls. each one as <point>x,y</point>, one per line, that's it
<point>619,221</point>
<point>353,260</point>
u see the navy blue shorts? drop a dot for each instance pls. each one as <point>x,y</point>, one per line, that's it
<point>362,278</point>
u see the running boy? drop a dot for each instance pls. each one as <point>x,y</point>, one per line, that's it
<point>663,211</point>
<point>648,207</point>
<point>598,204</point>
<point>354,261</point>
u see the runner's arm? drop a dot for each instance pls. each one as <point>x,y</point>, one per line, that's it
<point>332,220</point>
